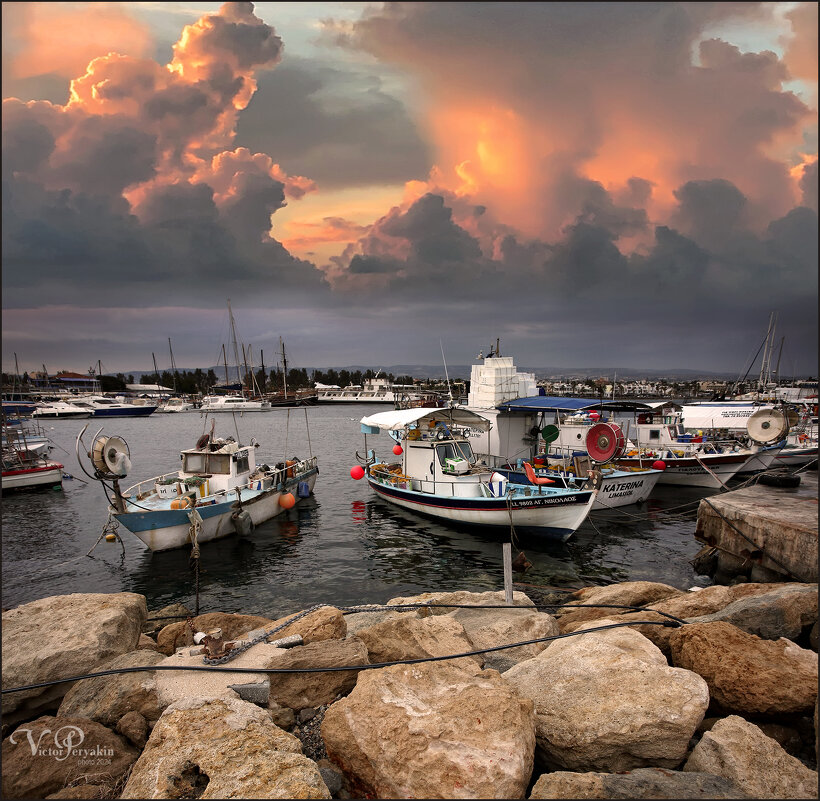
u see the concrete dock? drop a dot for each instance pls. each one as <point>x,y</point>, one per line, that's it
<point>761,532</point>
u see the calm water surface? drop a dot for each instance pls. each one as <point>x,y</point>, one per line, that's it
<point>344,546</point>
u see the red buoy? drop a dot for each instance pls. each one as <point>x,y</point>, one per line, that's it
<point>398,450</point>
<point>357,472</point>
<point>659,465</point>
<point>594,416</point>
<point>287,501</point>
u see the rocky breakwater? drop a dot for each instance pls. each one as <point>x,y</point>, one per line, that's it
<point>721,706</point>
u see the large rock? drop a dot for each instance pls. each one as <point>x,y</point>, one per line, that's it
<point>784,611</point>
<point>432,731</point>
<point>741,752</point>
<point>48,754</point>
<point>62,636</point>
<point>489,628</point>
<point>107,698</point>
<point>222,748</point>
<point>415,638</point>
<point>302,690</point>
<point>581,605</point>
<point>608,701</point>
<point>639,783</point>
<point>747,675</point>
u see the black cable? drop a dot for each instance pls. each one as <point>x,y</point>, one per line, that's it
<point>335,668</point>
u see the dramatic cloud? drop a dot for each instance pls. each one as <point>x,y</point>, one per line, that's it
<point>134,179</point>
<point>587,179</point>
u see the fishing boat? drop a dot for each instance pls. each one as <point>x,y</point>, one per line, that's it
<point>173,405</point>
<point>27,469</point>
<point>517,437</point>
<point>218,491</point>
<point>438,475</point>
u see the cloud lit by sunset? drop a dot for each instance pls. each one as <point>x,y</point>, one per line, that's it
<point>536,161</point>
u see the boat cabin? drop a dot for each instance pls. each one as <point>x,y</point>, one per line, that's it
<point>227,466</point>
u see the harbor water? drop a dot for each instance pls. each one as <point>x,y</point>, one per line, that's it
<point>343,546</point>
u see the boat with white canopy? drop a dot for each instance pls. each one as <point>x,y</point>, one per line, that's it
<point>439,475</point>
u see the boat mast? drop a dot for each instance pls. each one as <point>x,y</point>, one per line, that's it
<point>235,351</point>
<point>173,366</point>
<point>284,368</point>
<point>765,365</point>
<point>225,359</point>
<point>264,377</point>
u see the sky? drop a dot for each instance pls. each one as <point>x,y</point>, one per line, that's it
<point>596,184</point>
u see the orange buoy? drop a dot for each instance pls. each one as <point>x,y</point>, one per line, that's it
<point>287,501</point>
<point>181,503</point>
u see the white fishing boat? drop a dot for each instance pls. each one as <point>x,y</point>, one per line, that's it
<point>218,491</point>
<point>26,469</point>
<point>438,475</point>
<point>233,403</point>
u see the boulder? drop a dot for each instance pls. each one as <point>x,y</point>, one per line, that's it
<point>757,764</point>
<point>783,611</point>
<point>145,643</point>
<point>638,783</point>
<point>62,636</point>
<point>107,698</point>
<point>324,623</point>
<point>134,727</point>
<point>301,690</point>
<point>415,638</point>
<point>48,754</point>
<point>222,748</point>
<point>432,731</point>
<point>627,593</point>
<point>493,627</point>
<point>608,701</point>
<point>177,635</point>
<point>747,675</point>
<point>173,613</point>
<point>357,621</point>
<point>90,791</point>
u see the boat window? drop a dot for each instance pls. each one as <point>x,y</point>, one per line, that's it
<point>654,433</point>
<point>455,450</point>
<point>206,463</point>
<point>242,465</point>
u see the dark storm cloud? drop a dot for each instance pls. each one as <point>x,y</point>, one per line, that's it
<point>341,128</point>
<point>808,185</point>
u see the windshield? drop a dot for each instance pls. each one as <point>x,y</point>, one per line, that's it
<point>455,450</point>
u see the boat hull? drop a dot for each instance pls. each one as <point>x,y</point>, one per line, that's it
<point>137,411</point>
<point>795,457</point>
<point>691,472</point>
<point>618,487</point>
<point>554,517</point>
<point>166,529</point>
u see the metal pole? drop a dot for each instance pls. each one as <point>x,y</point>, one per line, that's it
<point>508,591</point>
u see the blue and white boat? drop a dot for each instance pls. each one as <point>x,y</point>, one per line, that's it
<point>218,491</point>
<point>438,475</point>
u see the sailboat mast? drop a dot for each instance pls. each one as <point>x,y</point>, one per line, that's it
<point>284,367</point>
<point>765,365</point>
<point>225,359</point>
<point>264,377</point>
<point>173,366</point>
<point>235,350</point>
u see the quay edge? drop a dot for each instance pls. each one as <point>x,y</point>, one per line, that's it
<point>760,533</point>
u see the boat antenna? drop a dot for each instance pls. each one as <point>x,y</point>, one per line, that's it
<point>446,375</point>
